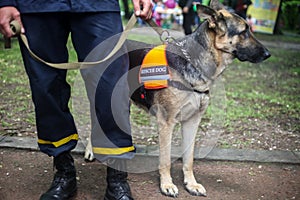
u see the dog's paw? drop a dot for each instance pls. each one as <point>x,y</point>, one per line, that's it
<point>89,155</point>
<point>169,190</point>
<point>195,189</point>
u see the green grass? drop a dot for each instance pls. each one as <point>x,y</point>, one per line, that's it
<point>285,37</point>
<point>269,90</point>
<point>16,107</point>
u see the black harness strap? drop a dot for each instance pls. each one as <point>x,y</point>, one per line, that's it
<point>181,86</point>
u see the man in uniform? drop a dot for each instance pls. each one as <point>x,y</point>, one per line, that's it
<point>47,25</point>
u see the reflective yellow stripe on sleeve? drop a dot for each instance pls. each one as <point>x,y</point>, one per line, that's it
<point>112,151</point>
<point>60,142</point>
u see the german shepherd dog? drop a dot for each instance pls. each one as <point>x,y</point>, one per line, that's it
<point>195,61</point>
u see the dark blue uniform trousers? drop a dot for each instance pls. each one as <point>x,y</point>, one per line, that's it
<point>106,86</point>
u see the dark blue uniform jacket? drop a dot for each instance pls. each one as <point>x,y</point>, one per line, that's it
<point>39,6</point>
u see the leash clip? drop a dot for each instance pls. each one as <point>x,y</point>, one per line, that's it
<point>166,39</point>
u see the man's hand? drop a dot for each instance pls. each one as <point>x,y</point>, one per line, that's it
<point>8,14</point>
<point>143,8</point>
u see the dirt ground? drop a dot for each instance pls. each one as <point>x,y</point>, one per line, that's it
<point>25,175</point>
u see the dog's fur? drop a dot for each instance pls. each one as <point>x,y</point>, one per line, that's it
<point>195,62</point>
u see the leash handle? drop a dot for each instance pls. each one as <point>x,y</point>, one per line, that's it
<point>15,27</point>
<point>16,30</point>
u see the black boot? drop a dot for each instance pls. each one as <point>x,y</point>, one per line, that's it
<point>64,184</point>
<point>117,186</point>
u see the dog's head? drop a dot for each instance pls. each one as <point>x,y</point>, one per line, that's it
<point>232,33</point>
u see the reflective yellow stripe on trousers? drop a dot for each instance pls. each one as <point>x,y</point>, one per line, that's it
<point>60,142</point>
<point>112,151</point>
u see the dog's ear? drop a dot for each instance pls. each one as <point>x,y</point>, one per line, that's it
<point>215,19</point>
<point>206,12</point>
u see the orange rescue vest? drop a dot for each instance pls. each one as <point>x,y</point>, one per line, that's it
<point>154,72</point>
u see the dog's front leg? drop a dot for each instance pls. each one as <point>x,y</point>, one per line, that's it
<point>189,131</point>
<point>165,137</point>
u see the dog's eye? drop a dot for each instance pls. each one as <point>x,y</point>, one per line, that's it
<point>241,33</point>
<point>244,34</point>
